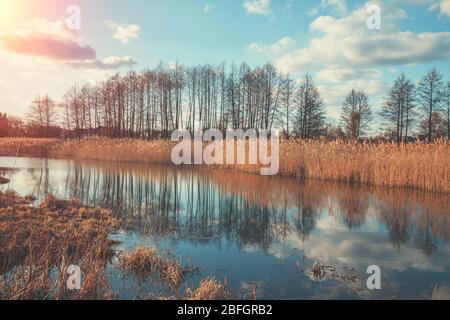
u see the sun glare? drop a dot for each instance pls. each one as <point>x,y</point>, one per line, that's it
<point>8,12</point>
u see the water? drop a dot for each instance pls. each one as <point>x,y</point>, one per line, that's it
<point>261,234</point>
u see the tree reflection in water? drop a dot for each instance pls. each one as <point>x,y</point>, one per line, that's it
<point>206,206</point>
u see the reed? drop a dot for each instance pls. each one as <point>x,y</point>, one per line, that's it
<point>28,147</point>
<point>209,289</point>
<point>144,262</point>
<point>413,165</point>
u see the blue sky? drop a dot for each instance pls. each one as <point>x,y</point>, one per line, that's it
<point>328,38</point>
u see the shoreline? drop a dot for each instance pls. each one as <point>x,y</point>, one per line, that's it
<point>381,165</point>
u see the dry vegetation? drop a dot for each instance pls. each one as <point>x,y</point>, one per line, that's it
<point>3,180</point>
<point>38,242</point>
<point>144,262</point>
<point>28,147</point>
<point>415,165</point>
<point>209,289</point>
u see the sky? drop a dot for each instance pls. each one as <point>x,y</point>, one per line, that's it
<point>48,45</point>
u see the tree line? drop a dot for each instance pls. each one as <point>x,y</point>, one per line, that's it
<point>153,103</point>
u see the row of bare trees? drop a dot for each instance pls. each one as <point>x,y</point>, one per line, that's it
<point>408,109</point>
<point>426,105</point>
<point>153,103</point>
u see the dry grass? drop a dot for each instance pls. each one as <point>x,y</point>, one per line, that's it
<point>28,147</point>
<point>144,262</point>
<point>3,180</point>
<point>121,150</point>
<point>416,165</point>
<point>209,289</point>
<point>37,242</point>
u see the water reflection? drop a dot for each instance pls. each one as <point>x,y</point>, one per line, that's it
<point>402,230</point>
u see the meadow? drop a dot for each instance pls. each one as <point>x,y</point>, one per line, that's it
<point>411,165</point>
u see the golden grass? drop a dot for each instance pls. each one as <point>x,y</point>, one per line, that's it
<point>416,165</point>
<point>209,289</point>
<point>38,240</point>
<point>144,262</point>
<point>28,147</point>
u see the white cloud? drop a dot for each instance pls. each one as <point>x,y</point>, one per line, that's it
<point>445,7</point>
<point>123,32</point>
<point>347,42</point>
<point>276,47</point>
<point>335,74</point>
<point>261,7</point>
<point>106,63</point>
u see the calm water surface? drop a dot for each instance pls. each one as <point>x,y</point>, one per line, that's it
<point>261,234</point>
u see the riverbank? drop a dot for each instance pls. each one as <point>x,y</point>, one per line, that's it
<point>416,165</point>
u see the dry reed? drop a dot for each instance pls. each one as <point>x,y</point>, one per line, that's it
<point>415,165</point>
<point>144,262</point>
<point>209,289</point>
<point>40,241</point>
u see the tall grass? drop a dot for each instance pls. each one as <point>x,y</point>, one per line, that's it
<point>416,165</point>
<point>28,147</point>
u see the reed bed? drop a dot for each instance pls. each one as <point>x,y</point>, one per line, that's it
<point>413,165</point>
<point>121,150</point>
<point>416,165</point>
<point>28,147</point>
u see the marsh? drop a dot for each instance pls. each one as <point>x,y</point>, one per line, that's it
<point>258,234</point>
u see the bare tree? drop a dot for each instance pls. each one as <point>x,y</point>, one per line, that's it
<point>398,110</point>
<point>356,114</point>
<point>43,114</point>
<point>287,95</point>
<point>431,95</point>
<point>438,126</point>
<point>310,114</point>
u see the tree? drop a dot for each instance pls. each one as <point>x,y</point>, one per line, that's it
<point>356,114</point>
<point>438,126</point>
<point>310,114</point>
<point>431,95</point>
<point>398,110</point>
<point>286,97</point>
<point>43,115</point>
